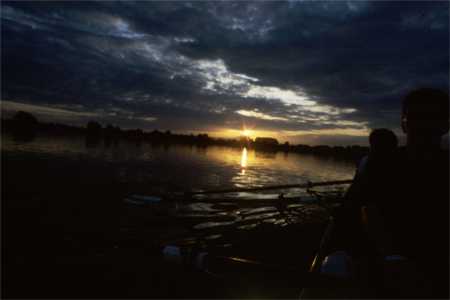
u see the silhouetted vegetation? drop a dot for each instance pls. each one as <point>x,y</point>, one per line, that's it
<point>24,126</point>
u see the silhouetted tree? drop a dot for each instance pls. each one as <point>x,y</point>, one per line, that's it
<point>266,144</point>
<point>94,128</point>
<point>244,140</point>
<point>93,135</point>
<point>109,135</point>
<point>25,126</point>
<point>26,118</point>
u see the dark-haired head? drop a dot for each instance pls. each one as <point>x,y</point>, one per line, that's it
<point>425,115</point>
<point>383,140</point>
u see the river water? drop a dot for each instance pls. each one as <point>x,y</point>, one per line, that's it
<point>76,211</point>
<point>190,167</point>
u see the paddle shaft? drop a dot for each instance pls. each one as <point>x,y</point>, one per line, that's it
<point>273,187</point>
<point>260,271</point>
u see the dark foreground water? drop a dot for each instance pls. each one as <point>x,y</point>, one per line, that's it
<point>74,224</point>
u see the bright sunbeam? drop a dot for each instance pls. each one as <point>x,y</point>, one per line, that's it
<point>246,133</point>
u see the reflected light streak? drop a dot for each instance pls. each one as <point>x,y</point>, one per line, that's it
<point>244,157</point>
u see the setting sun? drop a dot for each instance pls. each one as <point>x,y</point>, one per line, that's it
<point>246,132</point>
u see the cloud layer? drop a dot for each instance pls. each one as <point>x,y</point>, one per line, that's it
<point>294,68</point>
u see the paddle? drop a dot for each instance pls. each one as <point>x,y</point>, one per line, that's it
<point>237,268</point>
<point>307,185</point>
<point>222,264</point>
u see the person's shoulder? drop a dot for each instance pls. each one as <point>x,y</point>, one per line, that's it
<point>362,165</point>
<point>444,153</point>
<point>444,156</point>
<point>401,150</point>
<point>400,155</point>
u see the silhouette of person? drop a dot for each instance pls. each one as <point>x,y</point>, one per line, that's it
<point>418,216</point>
<point>408,198</point>
<point>372,178</point>
<point>383,145</point>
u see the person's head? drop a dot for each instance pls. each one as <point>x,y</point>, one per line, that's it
<point>425,115</point>
<point>382,141</point>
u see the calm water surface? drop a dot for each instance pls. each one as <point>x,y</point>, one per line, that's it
<point>87,225</point>
<point>190,167</point>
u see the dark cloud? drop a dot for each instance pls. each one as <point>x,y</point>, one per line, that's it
<point>293,66</point>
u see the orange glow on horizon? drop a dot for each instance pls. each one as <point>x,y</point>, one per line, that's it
<point>309,137</point>
<point>246,132</point>
<point>251,133</point>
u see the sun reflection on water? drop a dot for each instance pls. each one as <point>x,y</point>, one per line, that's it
<point>244,157</point>
<point>214,167</point>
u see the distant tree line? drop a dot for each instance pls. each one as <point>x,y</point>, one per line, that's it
<point>24,126</point>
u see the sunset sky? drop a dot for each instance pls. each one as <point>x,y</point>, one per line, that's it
<point>314,72</point>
